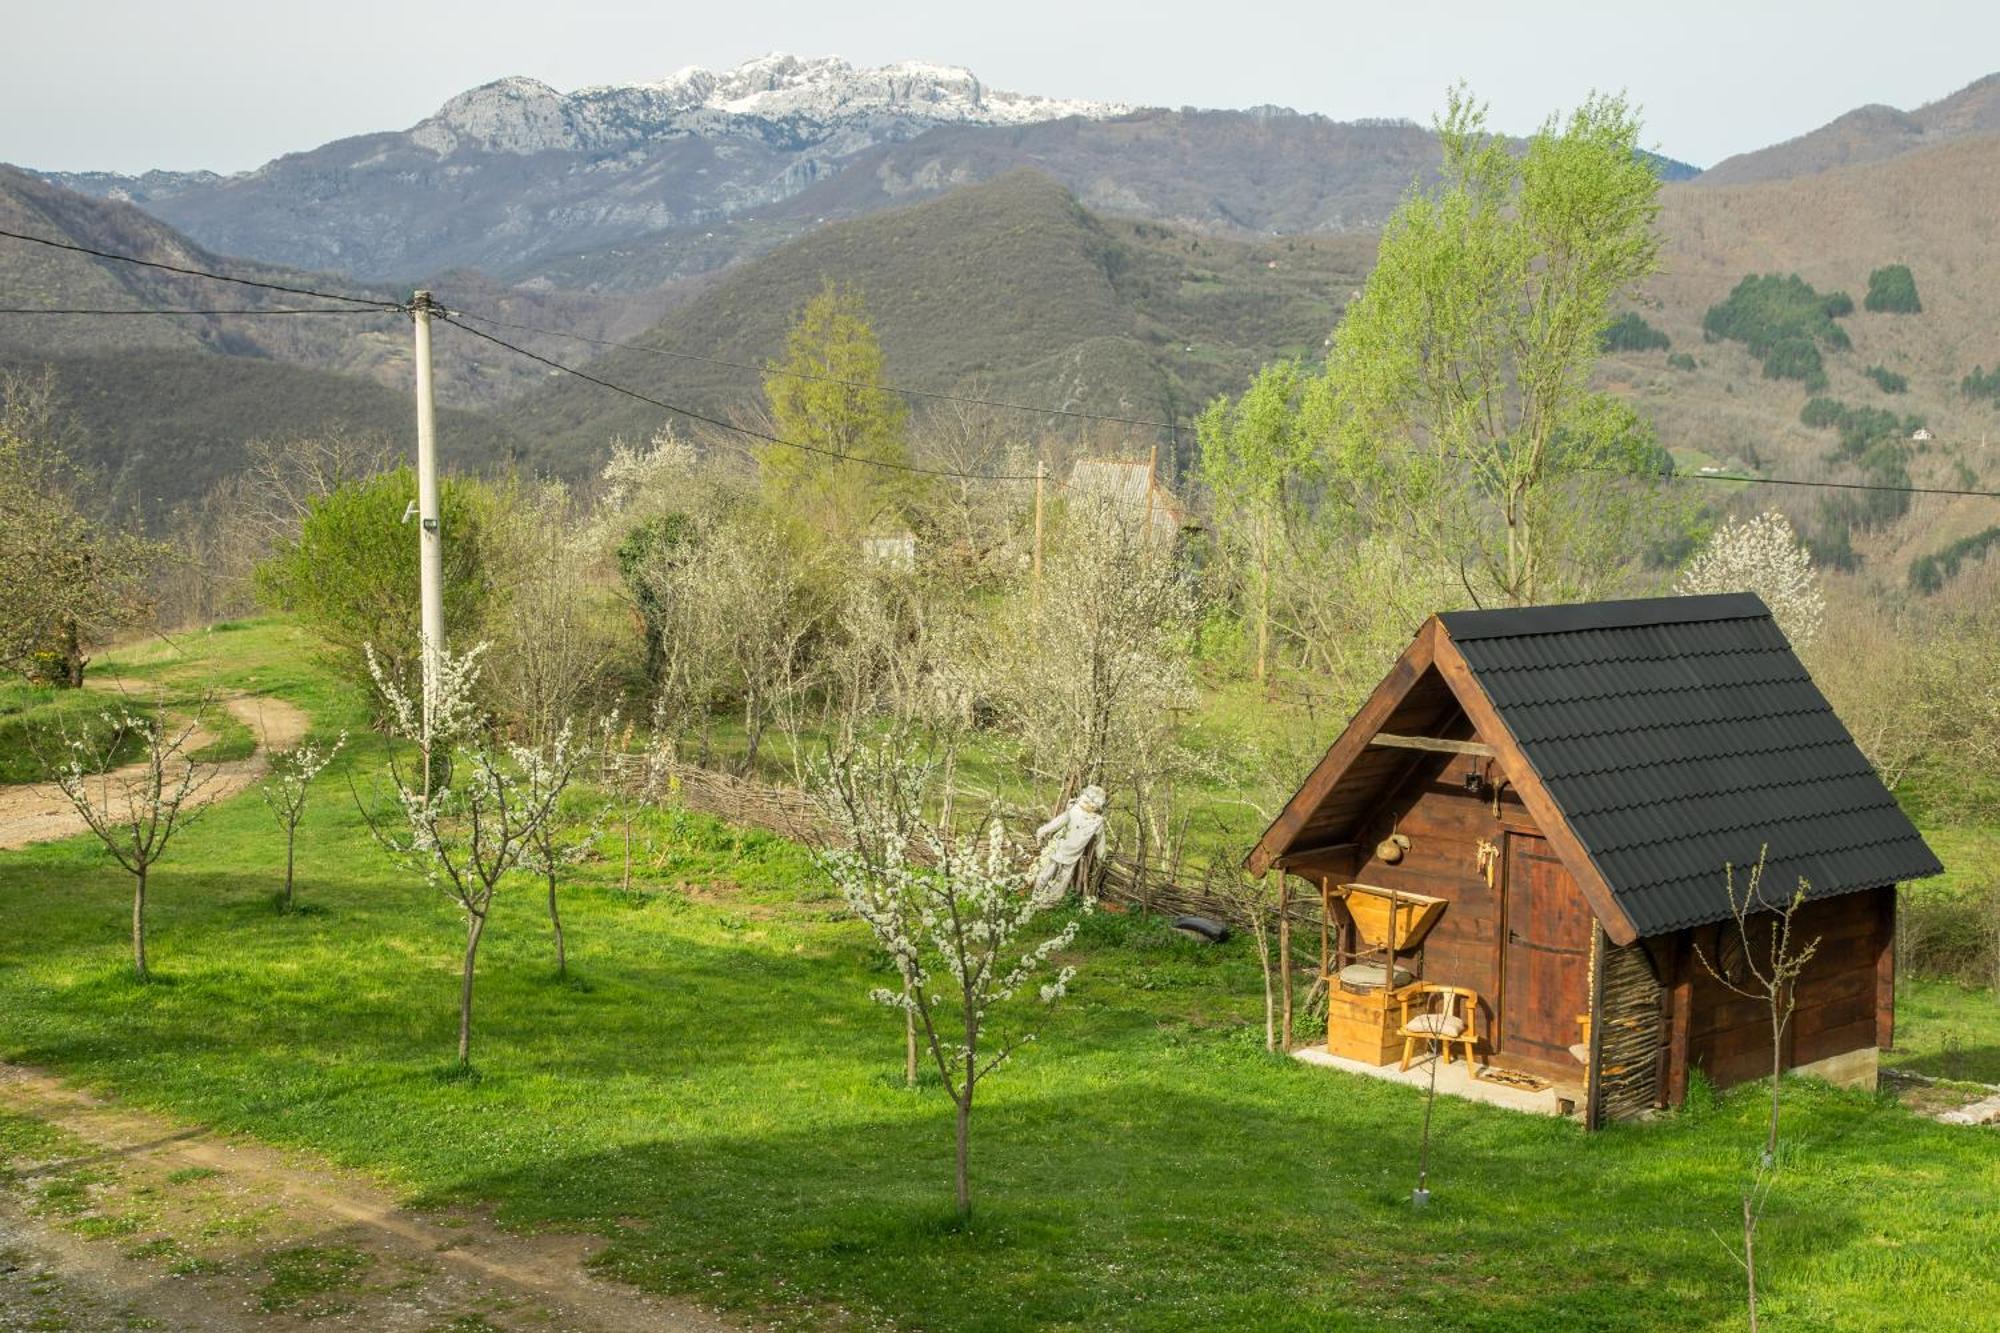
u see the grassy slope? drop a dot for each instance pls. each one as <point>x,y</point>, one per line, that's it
<point>715,1094</point>
<point>1007,287</point>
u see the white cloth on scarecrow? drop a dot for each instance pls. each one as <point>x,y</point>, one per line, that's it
<point>1072,835</point>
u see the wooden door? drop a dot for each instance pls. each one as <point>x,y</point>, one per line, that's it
<point>1545,958</point>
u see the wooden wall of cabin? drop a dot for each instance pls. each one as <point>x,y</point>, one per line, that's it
<point>1846,995</point>
<point>1445,825</point>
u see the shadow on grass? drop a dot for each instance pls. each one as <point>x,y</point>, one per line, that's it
<point>1153,1206</point>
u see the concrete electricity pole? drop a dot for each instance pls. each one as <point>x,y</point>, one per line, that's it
<point>430,534</point>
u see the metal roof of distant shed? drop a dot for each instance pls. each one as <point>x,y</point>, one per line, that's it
<point>1681,734</point>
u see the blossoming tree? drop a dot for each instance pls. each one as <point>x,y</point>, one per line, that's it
<point>1765,556</point>
<point>135,812</point>
<point>287,789</point>
<point>465,833</point>
<point>948,910</point>
<point>557,844</point>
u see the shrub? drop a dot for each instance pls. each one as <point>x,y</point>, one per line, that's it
<point>1887,380</point>
<point>1631,333</point>
<point>1795,359</point>
<point>351,573</point>
<point>1837,305</point>
<point>1929,574</point>
<point>1981,384</point>
<point>1893,290</point>
<point>1860,427</point>
<point>1763,309</point>
<point>1681,361</point>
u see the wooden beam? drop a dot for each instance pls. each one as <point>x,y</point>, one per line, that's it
<point>1885,968</point>
<point>1374,714</point>
<point>1434,744</point>
<point>1301,854</point>
<point>1681,1025</point>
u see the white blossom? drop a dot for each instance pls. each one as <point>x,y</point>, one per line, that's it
<point>1762,555</point>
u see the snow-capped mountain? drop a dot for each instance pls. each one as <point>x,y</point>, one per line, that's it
<point>515,170</point>
<point>800,99</point>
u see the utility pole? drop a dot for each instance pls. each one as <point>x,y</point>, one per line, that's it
<point>1041,470</point>
<point>1152,471</point>
<point>430,534</point>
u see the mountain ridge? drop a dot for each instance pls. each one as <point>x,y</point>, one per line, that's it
<point>1869,133</point>
<point>513,173</point>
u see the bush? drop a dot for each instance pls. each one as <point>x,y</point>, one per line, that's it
<point>1893,290</point>
<point>1980,384</point>
<point>1950,934</point>
<point>1837,305</point>
<point>1631,333</point>
<point>1887,380</point>
<point>1929,574</point>
<point>1681,361</point>
<point>1763,309</point>
<point>351,573</point>
<point>1860,427</point>
<point>1795,359</point>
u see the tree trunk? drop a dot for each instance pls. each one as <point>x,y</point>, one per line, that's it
<point>139,924</point>
<point>1777,1073</point>
<point>1285,960</point>
<point>909,1042</point>
<point>1264,606</point>
<point>73,658</point>
<point>291,843</point>
<point>625,885</point>
<point>964,1100</point>
<point>555,920</point>
<point>1750,1258</point>
<point>1270,991</point>
<point>474,925</point>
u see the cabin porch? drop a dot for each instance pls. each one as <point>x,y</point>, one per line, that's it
<point>1457,1080</point>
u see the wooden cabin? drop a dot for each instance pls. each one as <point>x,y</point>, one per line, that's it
<point>1540,805</point>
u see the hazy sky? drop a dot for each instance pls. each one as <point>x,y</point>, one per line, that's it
<point>125,85</point>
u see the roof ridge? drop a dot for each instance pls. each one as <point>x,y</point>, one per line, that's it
<point>1632,613</point>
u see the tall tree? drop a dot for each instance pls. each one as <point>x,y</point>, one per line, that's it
<point>826,396</point>
<point>1254,453</point>
<point>1459,382</point>
<point>66,579</point>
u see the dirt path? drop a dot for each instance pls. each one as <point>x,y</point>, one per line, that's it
<point>127,1217</point>
<point>39,812</point>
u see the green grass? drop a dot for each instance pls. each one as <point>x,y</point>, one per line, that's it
<point>714,1094</point>
<point>33,721</point>
<point>297,1275</point>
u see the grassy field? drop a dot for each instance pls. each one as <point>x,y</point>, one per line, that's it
<point>713,1092</point>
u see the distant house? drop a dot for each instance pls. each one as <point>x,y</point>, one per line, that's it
<point>1132,490</point>
<point>895,550</point>
<point>1537,807</point>
<point>1921,434</point>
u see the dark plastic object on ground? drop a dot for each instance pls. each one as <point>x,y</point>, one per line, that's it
<point>1200,927</point>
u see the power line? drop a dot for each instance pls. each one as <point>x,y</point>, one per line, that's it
<point>376,306</point>
<point>313,310</point>
<point>750,431</point>
<point>1795,481</point>
<point>825,379</point>
<point>196,272</point>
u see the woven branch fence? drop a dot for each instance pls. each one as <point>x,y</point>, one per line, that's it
<point>790,813</point>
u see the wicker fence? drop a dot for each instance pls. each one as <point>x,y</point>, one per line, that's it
<point>790,813</point>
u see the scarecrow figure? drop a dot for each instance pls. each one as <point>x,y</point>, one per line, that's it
<point>1072,835</point>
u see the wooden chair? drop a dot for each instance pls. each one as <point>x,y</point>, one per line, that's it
<point>1447,1016</point>
<point>1581,1051</point>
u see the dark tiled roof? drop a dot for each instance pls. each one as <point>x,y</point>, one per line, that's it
<point>1681,734</point>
